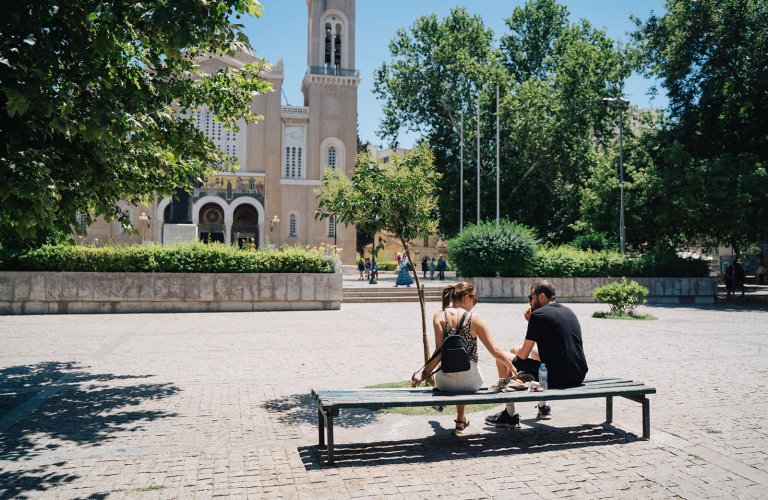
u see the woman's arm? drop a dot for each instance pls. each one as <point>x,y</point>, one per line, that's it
<point>484,334</point>
<point>438,327</point>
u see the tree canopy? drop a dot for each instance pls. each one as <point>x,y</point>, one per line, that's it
<point>552,74</point>
<point>95,100</point>
<point>712,60</point>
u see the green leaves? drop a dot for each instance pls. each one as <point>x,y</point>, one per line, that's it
<point>398,196</point>
<point>623,297</point>
<point>86,91</point>
<point>508,249</point>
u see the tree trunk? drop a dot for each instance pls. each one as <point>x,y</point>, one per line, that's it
<point>420,291</point>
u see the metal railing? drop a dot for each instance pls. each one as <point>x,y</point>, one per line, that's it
<point>332,71</point>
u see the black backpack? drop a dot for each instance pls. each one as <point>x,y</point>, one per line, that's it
<point>455,356</point>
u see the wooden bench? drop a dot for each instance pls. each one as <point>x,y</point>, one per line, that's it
<point>329,402</point>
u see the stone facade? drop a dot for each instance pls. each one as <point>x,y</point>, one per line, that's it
<point>78,293</point>
<point>270,199</point>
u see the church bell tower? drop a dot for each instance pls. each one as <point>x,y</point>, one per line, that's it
<point>330,93</point>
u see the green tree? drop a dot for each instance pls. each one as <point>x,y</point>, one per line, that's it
<point>712,60</point>
<point>95,99</point>
<point>552,75</point>
<point>399,196</point>
<point>438,70</point>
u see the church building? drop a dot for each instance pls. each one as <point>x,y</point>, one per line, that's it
<point>270,200</point>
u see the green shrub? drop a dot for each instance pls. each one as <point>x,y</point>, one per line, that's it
<point>655,264</point>
<point>188,258</point>
<point>484,250</point>
<point>567,262</point>
<point>622,296</point>
<point>594,241</point>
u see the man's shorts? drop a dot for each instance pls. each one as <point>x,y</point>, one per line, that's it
<point>529,366</point>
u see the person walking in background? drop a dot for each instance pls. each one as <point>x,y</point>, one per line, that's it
<point>399,258</point>
<point>367,268</point>
<point>404,273</point>
<point>441,265</point>
<point>729,280</point>
<point>739,277</point>
<point>424,265</point>
<point>432,268</point>
<point>360,267</point>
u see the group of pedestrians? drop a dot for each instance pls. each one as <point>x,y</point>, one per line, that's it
<point>430,265</point>
<point>366,269</point>
<point>553,338</point>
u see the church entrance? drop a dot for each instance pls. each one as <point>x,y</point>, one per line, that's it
<point>245,228</point>
<point>211,225</point>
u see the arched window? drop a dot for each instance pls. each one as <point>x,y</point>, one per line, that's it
<point>298,162</point>
<point>334,35</point>
<point>332,226</point>
<point>251,185</point>
<point>287,162</point>
<point>332,157</point>
<point>292,225</point>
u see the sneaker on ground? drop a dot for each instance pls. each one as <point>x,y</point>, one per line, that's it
<point>545,412</point>
<point>504,419</point>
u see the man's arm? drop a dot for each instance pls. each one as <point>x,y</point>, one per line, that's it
<point>524,350</point>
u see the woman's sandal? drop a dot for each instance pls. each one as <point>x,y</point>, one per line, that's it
<point>460,426</point>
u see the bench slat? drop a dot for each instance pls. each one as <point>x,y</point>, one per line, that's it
<point>383,398</point>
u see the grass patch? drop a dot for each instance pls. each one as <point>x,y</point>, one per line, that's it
<point>694,456</point>
<point>712,431</point>
<point>425,410</point>
<point>630,316</point>
<point>154,487</point>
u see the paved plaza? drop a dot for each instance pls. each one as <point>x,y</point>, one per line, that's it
<point>204,405</point>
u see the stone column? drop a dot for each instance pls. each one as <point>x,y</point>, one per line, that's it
<point>227,232</point>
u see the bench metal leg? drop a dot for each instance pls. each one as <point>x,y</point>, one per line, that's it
<point>646,418</point>
<point>321,428</point>
<point>609,409</point>
<point>329,421</point>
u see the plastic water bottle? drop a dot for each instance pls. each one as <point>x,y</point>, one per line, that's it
<point>543,376</point>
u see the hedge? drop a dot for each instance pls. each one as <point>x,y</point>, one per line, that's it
<point>568,262</point>
<point>187,258</point>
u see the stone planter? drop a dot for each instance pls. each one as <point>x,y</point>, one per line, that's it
<point>660,290</point>
<point>70,292</point>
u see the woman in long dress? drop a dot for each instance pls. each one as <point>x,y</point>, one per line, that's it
<point>404,273</point>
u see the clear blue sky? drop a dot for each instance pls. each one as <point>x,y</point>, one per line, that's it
<point>281,33</point>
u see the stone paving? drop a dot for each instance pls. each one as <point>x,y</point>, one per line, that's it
<point>208,405</point>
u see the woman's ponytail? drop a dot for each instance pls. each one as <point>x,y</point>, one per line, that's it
<point>448,295</point>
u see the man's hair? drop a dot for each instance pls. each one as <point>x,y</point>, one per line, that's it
<point>544,286</point>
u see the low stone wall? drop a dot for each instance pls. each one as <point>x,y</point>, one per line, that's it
<point>660,290</point>
<point>69,292</point>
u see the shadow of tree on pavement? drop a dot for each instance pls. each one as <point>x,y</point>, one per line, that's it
<point>302,408</point>
<point>46,405</point>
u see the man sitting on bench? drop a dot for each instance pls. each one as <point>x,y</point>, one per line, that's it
<point>555,332</point>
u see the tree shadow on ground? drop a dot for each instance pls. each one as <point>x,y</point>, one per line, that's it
<point>48,405</point>
<point>443,447</point>
<point>302,408</point>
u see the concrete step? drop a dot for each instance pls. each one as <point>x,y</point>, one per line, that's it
<point>389,294</point>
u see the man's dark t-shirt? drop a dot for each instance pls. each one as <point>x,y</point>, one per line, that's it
<point>557,334</point>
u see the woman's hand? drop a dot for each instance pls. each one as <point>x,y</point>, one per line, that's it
<point>416,379</point>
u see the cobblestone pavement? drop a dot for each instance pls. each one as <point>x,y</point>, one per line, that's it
<point>203,405</point>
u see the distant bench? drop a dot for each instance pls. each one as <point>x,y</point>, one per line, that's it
<point>329,402</point>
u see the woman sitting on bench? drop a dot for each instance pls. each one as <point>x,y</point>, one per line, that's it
<point>456,318</point>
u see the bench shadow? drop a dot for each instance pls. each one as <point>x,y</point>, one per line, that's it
<point>441,446</point>
<point>47,405</point>
<point>302,408</point>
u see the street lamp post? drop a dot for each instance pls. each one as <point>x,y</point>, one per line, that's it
<point>621,105</point>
